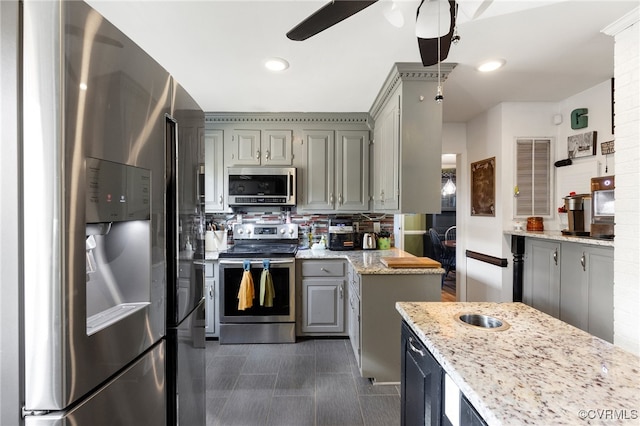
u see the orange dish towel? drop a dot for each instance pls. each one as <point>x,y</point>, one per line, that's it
<point>247,290</point>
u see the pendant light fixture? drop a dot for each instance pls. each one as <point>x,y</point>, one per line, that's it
<point>449,187</point>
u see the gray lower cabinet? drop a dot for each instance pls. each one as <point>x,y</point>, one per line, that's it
<point>323,297</point>
<point>572,282</point>
<point>541,286</point>
<point>586,293</point>
<point>354,314</point>
<point>211,290</point>
<point>380,321</point>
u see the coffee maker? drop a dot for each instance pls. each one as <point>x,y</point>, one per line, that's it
<point>341,234</point>
<point>578,208</point>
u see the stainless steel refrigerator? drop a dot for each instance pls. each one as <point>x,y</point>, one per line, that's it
<point>87,343</point>
<point>185,263</point>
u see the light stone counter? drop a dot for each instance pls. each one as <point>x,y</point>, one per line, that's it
<point>367,262</point>
<point>558,236</point>
<point>539,371</point>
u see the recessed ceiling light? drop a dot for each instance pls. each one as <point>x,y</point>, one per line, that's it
<point>276,64</point>
<point>491,65</point>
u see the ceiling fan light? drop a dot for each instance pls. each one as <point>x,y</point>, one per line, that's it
<point>276,64</point>
<point>429,13</point>
<point>394,15</point>
<point>491,65</point>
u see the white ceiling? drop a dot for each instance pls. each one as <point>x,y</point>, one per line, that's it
<point>215,49</point>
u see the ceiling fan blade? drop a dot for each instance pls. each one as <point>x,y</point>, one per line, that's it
<point>327,16</point>
<point>429,46</point>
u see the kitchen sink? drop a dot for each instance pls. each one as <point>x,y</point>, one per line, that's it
<point>481,321</point>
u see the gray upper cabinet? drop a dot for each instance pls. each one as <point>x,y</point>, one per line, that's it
<point>319,176</point>
<point>276,148</point>
<point>408,140</point>
<point>337,170</point>
<point>214,171</point>
<point>251,147</point>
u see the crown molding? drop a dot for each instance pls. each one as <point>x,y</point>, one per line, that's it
<point>626,21</point>
<point>408,71</point>
<point>286,117</point>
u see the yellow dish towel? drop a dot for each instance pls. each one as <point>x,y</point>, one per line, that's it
<point>267,292</point>
<point>246,292</point>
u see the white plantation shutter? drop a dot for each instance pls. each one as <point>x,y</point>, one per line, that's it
<point>533,177</point>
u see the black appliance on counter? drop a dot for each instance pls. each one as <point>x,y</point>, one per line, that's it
<point>341,234</point>
<point>258,247</point>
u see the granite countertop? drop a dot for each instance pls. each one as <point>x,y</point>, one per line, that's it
<point>364,261</point>
<point>538,371</point>
<point>558,236</point>
<point>367,262</point>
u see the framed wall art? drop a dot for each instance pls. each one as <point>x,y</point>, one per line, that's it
<point>483,187</point>
<point>582,145</point>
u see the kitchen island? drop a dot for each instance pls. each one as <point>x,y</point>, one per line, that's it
<point>373,289</point>
<point>539,370</point>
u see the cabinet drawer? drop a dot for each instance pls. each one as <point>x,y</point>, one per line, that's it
<point>323,269</point>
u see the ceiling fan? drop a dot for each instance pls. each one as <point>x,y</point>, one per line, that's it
<point>435,24</point>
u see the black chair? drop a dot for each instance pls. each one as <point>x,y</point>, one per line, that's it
<point>441,253</point>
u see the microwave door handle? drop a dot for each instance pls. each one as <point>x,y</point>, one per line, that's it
<point>290,185</point>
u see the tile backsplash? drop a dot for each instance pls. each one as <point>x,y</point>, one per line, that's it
<point>316,224</point>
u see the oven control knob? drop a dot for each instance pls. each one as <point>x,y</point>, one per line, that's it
<point>240,231</point>
<point>282,230</point>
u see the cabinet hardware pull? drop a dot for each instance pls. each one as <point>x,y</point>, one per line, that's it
<point>340,199</point>
<point>267,155</point>
<point>413,348</point>
<point>211,292</point>
<point>555,257</point>
<point>323,270</point>
<point>258,155</point>
<point>583,262</point>
<point>220,199</point>
<point>341,292</point>
<point>331,198</point>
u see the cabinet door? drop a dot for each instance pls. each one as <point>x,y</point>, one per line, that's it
<point>211,326</point>
<point>319,174</point>
<point>386,153</point>
<point>600,309</point>
<point>323,305</point>
<point>276,148</point>
<point>421,383</point>
<point>574,290</point>
<point>245,148</point>
<point>352,170</point>
<point>541,287</point>
<point>214,171</point>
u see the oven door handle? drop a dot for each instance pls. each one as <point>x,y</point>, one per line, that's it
<point>257,262</point>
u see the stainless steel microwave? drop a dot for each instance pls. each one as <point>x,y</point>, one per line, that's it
<point>261,186</point>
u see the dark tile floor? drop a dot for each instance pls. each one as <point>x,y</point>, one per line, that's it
<point>311,382</point>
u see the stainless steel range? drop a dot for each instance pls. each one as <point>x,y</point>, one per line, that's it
<point>259,251</point>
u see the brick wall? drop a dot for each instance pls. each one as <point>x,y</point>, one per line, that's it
<point>627,159</point>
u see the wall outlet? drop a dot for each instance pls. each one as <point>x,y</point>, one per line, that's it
<point>376,226</point>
